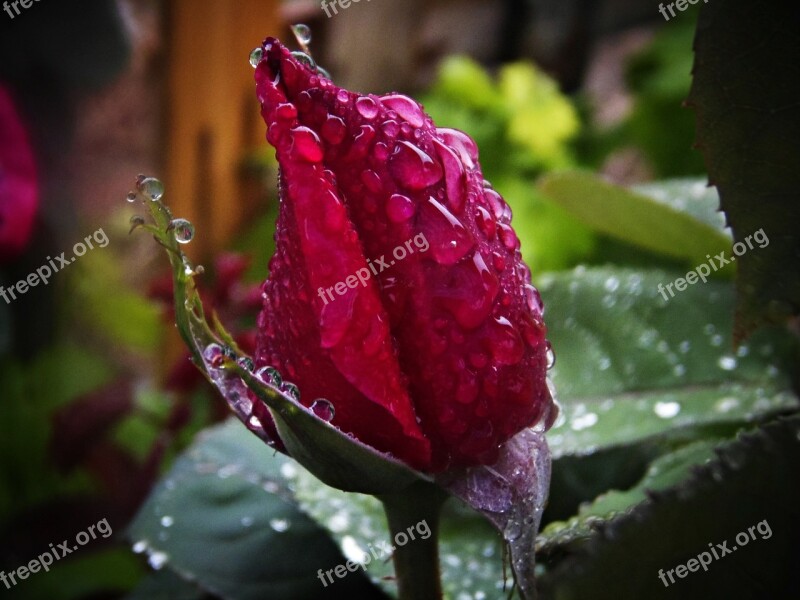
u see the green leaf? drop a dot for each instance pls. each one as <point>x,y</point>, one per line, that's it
<point>748,124</point>
<point>634,217</point>
<point>666,471</point>
<point>740,499</point>
<point>632,366</point>
<point>224,517</point>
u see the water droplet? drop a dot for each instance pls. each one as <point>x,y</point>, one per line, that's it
<point>666,410</point>
<point>413,168</point>
<point>290,389</point>
<point>323,409</point>
<point>131,197</point>
<point>246,363</point>
<point>255,56</point>
<point>214,355</point>
<point>279,525</point>
<point>406,108</point>
<point>306,144</point>
<point>367,107</point>
<point>449,240</point>
<point>182,229</point>
<point>400,208</point>
<point>462,144</point>
<point>333,130</point>
<point>139,547</point>
<point>247,521</point>
<point>505,342</point>
<point>270,376</point>
<point>302,33</point>
<point>150,187</point>
<point>167,521</point>
<point>157,560</point>
<point>584,421</point>
<point>727,363</point>
<point>342,96</point>
<point>550,355</point>
<point>305,59</point>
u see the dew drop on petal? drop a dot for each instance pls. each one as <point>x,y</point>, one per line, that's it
<point>405,107</point>
<point>413,168</point>
<point>367,107</point>
<point>305,59</point>
<point>399,208</point>
<point>306,144</point>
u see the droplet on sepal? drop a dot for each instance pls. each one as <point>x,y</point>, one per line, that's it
<point>246,363</point>
<point>302,33</point>
<point>323,409</point>
<point>255,56</point>
<point>182,229</point>
<point>270,376</point>
<point>150,187</point>
<point>290,389</point>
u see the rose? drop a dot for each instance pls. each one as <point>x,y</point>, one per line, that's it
<point>439,357</point>
<point>19,189</point>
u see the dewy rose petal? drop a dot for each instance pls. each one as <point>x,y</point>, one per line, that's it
<point>438,360</point>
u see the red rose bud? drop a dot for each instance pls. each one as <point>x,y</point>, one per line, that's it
<point>19,188</point>
<point>397,290</point>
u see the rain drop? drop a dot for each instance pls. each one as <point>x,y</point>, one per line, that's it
<point>304,59</point>
<point>167,521</point>
<point>302,33</point>
<point>291,389</point>
<point>727,363</point>
<point>183,230</point>
<point>256,56</point>
<point>551,356</point>
<point>131,197</point>
<point>367,107</point>
<point>666,410</point>
<point>214,355</point>
<point>279,525</point>
<point>151,187</point>
<point>323,409</point>
<point>157,560</point>
<point>270,376</point>
<point>246,363</point>
<point>136,221</point>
